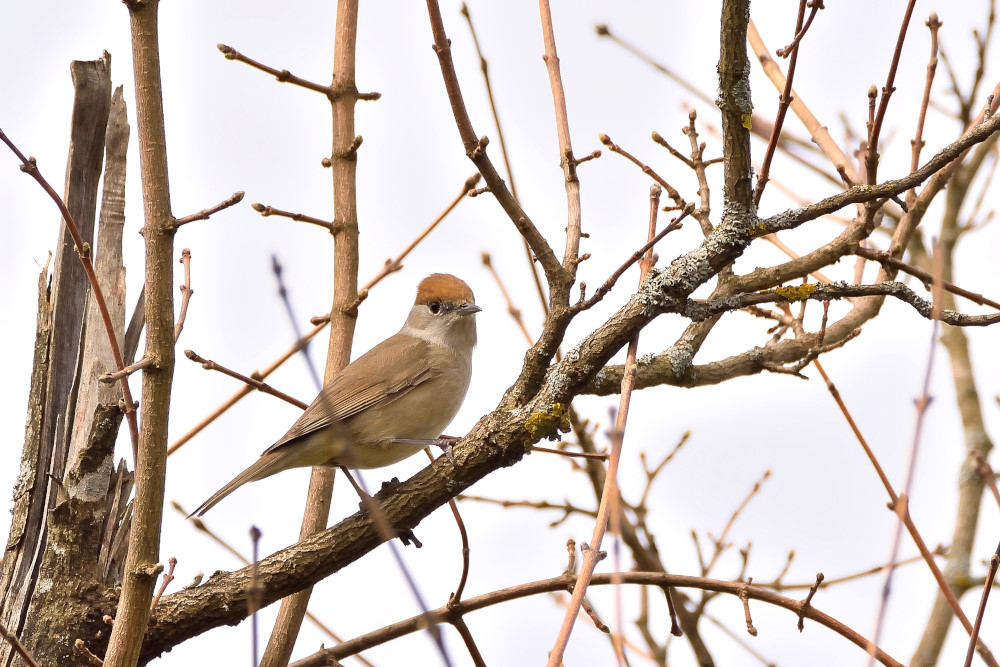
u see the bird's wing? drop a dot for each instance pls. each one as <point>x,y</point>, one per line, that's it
<point>382,374</point>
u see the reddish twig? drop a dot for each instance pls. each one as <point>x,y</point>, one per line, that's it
<point>19,648</point>
<point>287,77</point>
<point>899,504</point>
<point>210,365</point>
<point>205,214</point>
<point>484,67</point>
<point>786,96</point>
<point>871,158</point>
<point>186,293</point>
<point>609,508</point>
<point>266,211</point>
<point>168,576</point>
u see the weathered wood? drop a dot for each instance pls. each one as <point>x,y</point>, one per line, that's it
<point>97,355</point>
<point>55,379</point>
<point>71,570</point>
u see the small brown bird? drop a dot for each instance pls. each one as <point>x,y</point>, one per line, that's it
<point>390,402</point>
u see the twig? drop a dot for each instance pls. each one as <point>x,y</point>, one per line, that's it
<point>475,149</point>
<point>818,131</point>
<point>210,365</point>
<point>703,213</point>
<point>246,389</point>
<point>393,265</point>
<point>287,77</point>
<point>205,214</point>
<point>512,310</point>
<point>186,293</point>
<point>566,159</point>
<point>720,541</point>
<point>610,505</point>
<point>921,404</point>
<point>786,96</point>
<point>917,143</point>
<point>674,225</point>
<point>987,587</point>
<point>266,211</point>
<point>561,583</point>
<point>484,67</point>
<point>745,599</point>
<point>815,5</point>
<point>926,278</point>
<point>871,158</point>
<point>808,601</point>
<point>646,169</point>
<point>19,648</point>
<point>277,269</point>
<point>145,362</point>
<point>168,576</point>
<point>898,503</point>
<point>81,647</point>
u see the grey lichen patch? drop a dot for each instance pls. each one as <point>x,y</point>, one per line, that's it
<point>680,357</point>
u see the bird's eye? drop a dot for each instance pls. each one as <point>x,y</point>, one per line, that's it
<point>434,307</point>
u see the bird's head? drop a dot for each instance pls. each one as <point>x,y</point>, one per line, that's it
<point>444,312</point>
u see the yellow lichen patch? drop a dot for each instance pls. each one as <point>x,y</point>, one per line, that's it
<point>747,119</point>
<point>547,422</point>
<point>798,293</point>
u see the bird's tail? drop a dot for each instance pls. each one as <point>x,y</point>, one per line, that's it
<point>267,465</point>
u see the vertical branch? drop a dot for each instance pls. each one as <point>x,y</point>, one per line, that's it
<point>786,99</point>
<point>610,504</point>
<point>566,159</point>
<point>871,157</point>
<point>737,108</point>
<point>343,164</point>
<point>141,566</point>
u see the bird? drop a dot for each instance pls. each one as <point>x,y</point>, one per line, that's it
<point>390,402</point>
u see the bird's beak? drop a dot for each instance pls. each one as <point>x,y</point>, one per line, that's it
<point>468,309</point>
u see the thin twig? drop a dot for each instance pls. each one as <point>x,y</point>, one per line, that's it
<point>566,159</point>
<point>19,648</point>
<point>168,576</point>
<point>926,278</point>
<point>512,310</point>
<point>674,225</point>
<point>199,524</point>
<point>610,505</point>
<point>646,169</point>
<point>871,158</point>
<point>210,365</point>
<point>205,214</point>
<point>186,293</point>
<point>266,211</point>
<point>484,67</point>
<point>287,77</point>
<point>145,362</point>
<point>899,504</point>
<point>562,583</point>
<point>786,96</point>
